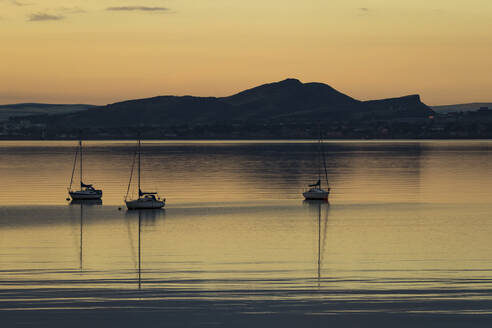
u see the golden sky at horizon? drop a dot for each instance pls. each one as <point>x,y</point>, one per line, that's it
<point>109,50</point>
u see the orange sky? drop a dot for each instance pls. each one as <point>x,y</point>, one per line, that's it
<point>101,51</point>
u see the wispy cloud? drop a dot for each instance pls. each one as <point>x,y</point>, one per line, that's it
<point>40,17</point>
<point>72,10</point>
<point>138,8</point>
<point>19,3</point>
<point>363,11</point>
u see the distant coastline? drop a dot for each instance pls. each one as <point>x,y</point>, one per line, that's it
<point>287,109</point>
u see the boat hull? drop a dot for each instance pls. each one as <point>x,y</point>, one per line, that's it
<point>140,204</point>
<point>316,194</point>
<point>86,195</point>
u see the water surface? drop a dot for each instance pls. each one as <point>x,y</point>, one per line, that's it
<point>404,239</point>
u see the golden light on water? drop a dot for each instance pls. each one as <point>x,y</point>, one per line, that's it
<point>190,172</point>
<point>407,227</point>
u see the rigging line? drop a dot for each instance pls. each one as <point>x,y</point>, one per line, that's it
<point>131,174</point>
<point>73,170</point>
<point>324,160</point>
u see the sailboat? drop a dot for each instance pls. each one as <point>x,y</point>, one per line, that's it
<point>87,191</point>
<point>316,192</point>
<point>145,200</point>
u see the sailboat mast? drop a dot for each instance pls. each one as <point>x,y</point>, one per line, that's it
<point>319,241</point>
<point>139,145</point>
<point>319,157</point>
<point>323,158</point>
<point>80,150</point>
<point>139,254</point>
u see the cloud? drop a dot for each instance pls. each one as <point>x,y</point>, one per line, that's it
<point>40,17</point>
<point>363,11</point>
<point>59,14</point>
<point>73,10</point>
<point>18,3</point>
<point>137,8</point>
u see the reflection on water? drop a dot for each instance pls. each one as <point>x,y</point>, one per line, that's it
<point>321,209</point>
<point>407,230</point>
<point>282,247</point>
<point>202,172</point>
<point>147,218</point>
<point>81,204</point>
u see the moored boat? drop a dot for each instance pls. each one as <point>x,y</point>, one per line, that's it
<point>145,200</point>
<point>87,191</point>
<point>316,191</point>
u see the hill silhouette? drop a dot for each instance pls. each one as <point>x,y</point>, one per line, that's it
<point>470,107</point>
<point>285,101</point>
<point>29,109</point>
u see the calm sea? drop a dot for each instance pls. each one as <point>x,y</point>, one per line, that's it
<point>405,240</point>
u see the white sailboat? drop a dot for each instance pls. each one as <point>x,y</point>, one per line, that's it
<point>145,200</point>
<point>316,192</point>
<point>87,191</point>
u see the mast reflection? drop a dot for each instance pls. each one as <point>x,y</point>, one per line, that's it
<point>145,217</point>
<point>322,209</point>
<point>82,203</point>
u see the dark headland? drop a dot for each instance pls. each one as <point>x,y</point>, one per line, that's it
<point>286,109</point>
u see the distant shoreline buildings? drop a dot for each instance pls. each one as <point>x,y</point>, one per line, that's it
<point>287,109</point>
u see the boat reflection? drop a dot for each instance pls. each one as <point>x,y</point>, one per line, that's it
<point>82,203</point>
<point>86,202</point>
<point>145,217</point>
<point>322,209</point>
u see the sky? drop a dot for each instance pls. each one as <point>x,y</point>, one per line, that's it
<point>103,51</point>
